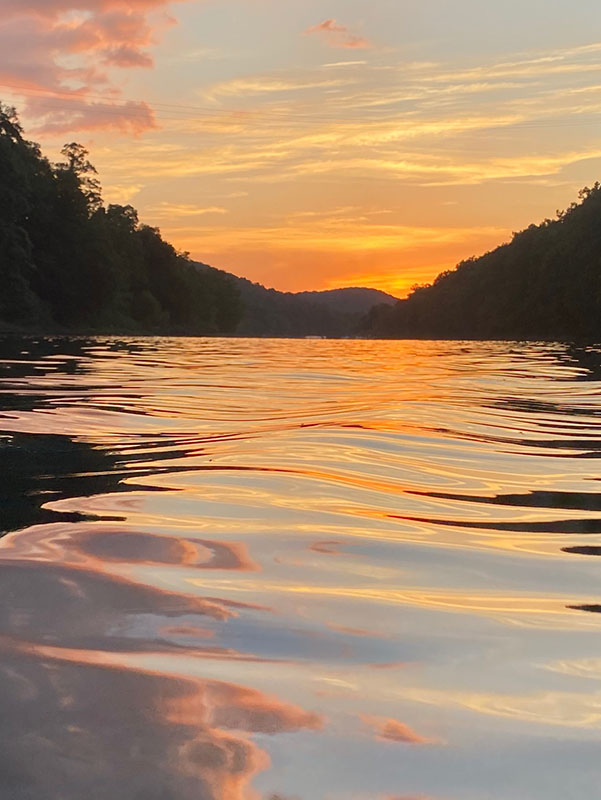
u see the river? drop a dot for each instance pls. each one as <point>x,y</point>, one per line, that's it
<point>299,570</point>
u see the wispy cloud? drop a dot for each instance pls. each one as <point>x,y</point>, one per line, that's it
<point>345,64</point>
<point>270,85</point>
<point>122,194</point>
<point>178,210</point>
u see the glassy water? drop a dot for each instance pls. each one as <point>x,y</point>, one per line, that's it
<point>320,570</point>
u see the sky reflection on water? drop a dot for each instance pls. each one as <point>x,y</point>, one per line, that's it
<point>249,570</point>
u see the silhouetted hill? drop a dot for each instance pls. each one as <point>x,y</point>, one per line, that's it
<point>544,284</point>
<point>351,300</point>
<point>268,312</point>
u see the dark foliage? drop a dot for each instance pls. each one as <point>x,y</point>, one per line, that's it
<point>68,262</point>
<point>350,300</point>
<point>268,312</point>
<point>544,284</point>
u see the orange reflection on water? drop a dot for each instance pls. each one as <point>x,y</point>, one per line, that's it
<point>491,604</point>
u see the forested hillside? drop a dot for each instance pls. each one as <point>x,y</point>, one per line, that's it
<point>67,262</point>
<point>269,312</point>
<point>545,283</point>
<point>349,300</point>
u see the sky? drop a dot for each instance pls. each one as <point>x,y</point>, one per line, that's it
<point>322,143</point>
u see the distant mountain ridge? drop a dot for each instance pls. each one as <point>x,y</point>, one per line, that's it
<point>332,312</point>
<point>351,299</point>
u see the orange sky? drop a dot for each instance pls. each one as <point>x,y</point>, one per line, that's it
<point>318,144</point>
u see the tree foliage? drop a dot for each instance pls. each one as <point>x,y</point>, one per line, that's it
<point>544,284</point>
<point>69,262</point>
<point>271,313</point>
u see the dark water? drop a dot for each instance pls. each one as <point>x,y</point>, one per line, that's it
<point>320,570</point>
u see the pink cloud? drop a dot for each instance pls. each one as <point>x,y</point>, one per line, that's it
<point>61,56</point>
<point>337,35</point>
<point>391,730</point>
<point>65,115</point>
<point>126,57</point>
<point>53,8</point>
<point>329,26</point>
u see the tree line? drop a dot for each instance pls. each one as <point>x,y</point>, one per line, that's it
<point>544,284</point>
<point>330,313</point>
<point>68,262</point>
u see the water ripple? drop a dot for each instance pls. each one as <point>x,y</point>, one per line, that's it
<point>325,570</point>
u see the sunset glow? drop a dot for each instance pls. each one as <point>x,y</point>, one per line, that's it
<point>311,145</point>
<point>300,368</point>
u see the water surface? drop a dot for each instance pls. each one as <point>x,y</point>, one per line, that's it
<point>320,570</point>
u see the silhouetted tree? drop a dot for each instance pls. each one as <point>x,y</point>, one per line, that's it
<point>67,261</point>
<point>545,283</point>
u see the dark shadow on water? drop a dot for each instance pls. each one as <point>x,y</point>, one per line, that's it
<point>586,358</point>
<point>27,357</point>
<point>583,550</point>
<point>591,609</point>
<point>581,501</point>
<point>572,447</point>
<point>567,526</point>
<point>36,469</point>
